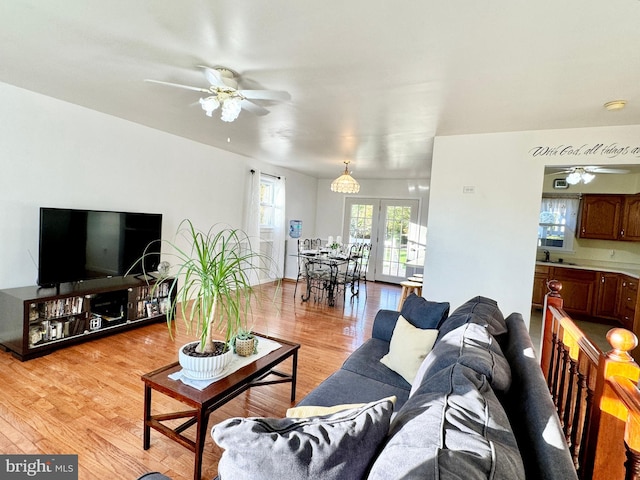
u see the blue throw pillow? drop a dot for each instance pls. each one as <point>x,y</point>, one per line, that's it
<point>424,314</point>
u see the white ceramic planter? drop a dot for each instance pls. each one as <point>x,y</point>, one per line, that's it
<point>204,368</point>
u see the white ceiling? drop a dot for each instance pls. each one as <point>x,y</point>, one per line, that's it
<point>371,81</point>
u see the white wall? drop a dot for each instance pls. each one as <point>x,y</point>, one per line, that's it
<point>56,154</point>
<point>484,243</point>
<point>301,205</point>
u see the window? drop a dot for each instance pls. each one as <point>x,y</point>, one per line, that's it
<point>267,203</point>
<point>557,223</point>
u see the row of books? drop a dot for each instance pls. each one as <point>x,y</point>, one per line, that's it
<point>161,290</point>
<point>152,307</point>
<point>56,308</point>
<point>49,330</point>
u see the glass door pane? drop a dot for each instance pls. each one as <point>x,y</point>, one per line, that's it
<point>397,231</point>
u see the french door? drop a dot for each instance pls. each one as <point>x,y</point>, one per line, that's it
<point>391,226</point>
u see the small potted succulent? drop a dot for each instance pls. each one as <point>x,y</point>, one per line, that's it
<point>244,343</point>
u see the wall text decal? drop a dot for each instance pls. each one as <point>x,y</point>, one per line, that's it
<point>611,150</point>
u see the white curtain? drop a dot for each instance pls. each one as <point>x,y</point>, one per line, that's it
<point>273,244</point>
<point>280,227</point>
<point>251,224</point>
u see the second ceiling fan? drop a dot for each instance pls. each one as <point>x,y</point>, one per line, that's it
<point>586,173</point>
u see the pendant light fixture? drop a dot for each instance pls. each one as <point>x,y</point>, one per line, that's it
<point>345,183</point>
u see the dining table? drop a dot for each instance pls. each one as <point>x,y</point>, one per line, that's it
<point>322,269</point>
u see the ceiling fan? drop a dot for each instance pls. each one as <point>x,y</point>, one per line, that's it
<point>586,173</point>
<point>223,92</point>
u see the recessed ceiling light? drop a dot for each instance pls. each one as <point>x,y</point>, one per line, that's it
<point>615,105</point>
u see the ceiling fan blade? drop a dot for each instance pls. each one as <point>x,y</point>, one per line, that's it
<point>249,106</point>
<point>265,94</point>
<point>606,170</point>
<point>186,87</point>
<point>214,77</point>
<point>559,172</point>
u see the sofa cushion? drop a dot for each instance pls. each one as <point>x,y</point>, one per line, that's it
<point>317,411</point>
<point>366,361</point>
<point>408,348</point>
<point>530,408</point>
<point>422,313</point>
<point>344,386</point>
<point>480,310</point>
<point>332,447</point>
<point>452,427</point>
<point>472,346</point>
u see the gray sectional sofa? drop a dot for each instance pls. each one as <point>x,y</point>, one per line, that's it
<point>476,408</point>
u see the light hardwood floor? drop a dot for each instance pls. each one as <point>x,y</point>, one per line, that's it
<point>88,399</point>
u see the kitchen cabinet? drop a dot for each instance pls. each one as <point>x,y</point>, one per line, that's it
<point>591,294</point>
<point>600,216</point>
<point>610,217</point>
<point>578,289</point>
<point>540,279</point>
<point>606,304</point>
<point>627,300</point>
<point>630,222</point>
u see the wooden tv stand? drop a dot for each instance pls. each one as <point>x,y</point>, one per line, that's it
<point>35,321</point>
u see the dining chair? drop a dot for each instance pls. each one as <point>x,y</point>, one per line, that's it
<point>365,254</point>
<point>348,277</point>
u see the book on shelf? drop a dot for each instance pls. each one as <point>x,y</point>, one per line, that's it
<point>153,308</point>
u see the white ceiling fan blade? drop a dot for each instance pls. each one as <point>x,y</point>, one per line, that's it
<point>214,77</point>
<point>265,94</point>
<point>559,172</point>
<point>249,106</point>
<point>606,170</point>
<point>186,87</point>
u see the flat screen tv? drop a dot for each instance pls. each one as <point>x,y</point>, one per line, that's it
<point>80,245</point>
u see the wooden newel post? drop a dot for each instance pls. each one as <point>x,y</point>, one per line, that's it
<point>551,299</point>
<point>611,418</point>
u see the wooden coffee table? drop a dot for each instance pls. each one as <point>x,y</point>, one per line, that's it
<point>203,402</point>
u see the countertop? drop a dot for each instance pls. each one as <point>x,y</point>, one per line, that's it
<point>628,269</point>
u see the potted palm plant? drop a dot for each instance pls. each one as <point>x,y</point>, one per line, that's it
<point>216,271</point>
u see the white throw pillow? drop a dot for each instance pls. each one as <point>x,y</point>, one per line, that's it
<point>318,411</point>
<point>408,348</point>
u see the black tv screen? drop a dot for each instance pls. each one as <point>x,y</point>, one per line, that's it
<point>85,244</point>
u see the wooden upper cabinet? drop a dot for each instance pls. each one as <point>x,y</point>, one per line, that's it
<point>600,216</point>
<point>630,230</point>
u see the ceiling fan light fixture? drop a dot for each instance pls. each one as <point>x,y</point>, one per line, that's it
<point>209,104</point>
<point>587,177</point>
<point>615,105</point>
<point>231,107</point>
<point>579,175</point>
<point>573,178</point>
<point>345,183</point>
